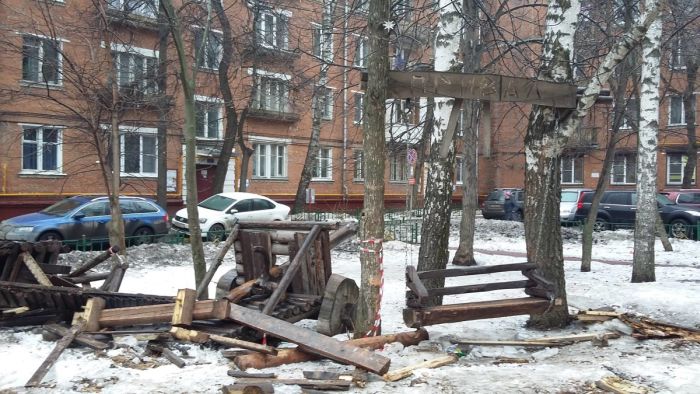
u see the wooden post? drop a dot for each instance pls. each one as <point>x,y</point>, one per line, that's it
<point>95,261</point>
<point>201,288</point>
<point>291,271</point>
<point>184,307</point>
<point>61,345</point>
<point>34,268</point>
<point>91,315</point>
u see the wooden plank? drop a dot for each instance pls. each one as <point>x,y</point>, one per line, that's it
<point>167,353</point>
<point>310,340</point>
<point>241,374</point>
<point>289,225</point>
<point>481,287</point>
<point>482,269</point>
<point>473,311</point>
<point>250,388</point>
<point>401,373</point>
<point>61,345</point>
<point>297,285</point>
<point>201,337</point>
<point>184,306</point>
<point>414,283</point>
<point>203,286</point>
<point>291,271</point>
<point>83,339</point>
<point>338,384</point>
<point>149,314</point>
<point>256,253</point>
<point>325,238</point>
<point>95,261</point>
<point>91,315</point>
<point>304,265</point>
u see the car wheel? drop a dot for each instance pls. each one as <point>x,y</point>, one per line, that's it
<point>50,236</point>
<point>681,229</point>
<point>216,231</point>
<point>601,225</point>
<point>142,235</point>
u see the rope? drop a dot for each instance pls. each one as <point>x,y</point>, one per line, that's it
<point>377,323</point>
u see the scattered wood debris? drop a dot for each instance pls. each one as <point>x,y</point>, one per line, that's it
<point>615,384</point>
<point>404,372</point>
<point>646,328</point>
<point>596,316</point>
<point>541,342</point>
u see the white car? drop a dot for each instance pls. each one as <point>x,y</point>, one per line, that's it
<point>217,212</point>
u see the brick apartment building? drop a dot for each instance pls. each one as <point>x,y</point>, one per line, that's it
<point>57,106</point>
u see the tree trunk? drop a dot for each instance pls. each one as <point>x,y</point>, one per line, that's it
<point>163,109</point>
<point>372,222</point>
<point>232,120</point>
<point>187,78</point>
<point>646,216</point>
<point>689,105</point>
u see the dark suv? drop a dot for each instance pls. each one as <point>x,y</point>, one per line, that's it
<point>492,208</point>
<point>618,210</point>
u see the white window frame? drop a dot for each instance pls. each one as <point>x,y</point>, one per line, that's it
<point>324,160</point>
<point>327,95</point>
<point>631,108</point>
<point>263,28</point>
<point>144,10</point>
<point>359,168</point>
<point>361,49</point>
<point>207,43</point>
<point>359,117</point>
<point>398,167</point>
<point>670,109</point>
<point>119,50</point>
<point>575,161</point>
<point>396,112</point>
<point>321,41</point>
<point>683,162</point>
<point>266,145</point>
<point>210,102</point>
<point>676,55</point>
<point>40,60</point>
<point>40,145</point>
<point>141,132</point>
<point>625,166</point>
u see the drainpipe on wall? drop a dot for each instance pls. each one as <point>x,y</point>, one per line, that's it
<point>344,186</point>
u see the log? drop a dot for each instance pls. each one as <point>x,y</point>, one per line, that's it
<point>481,287</point>
<point>404,372</point>
<point>240,292</point>
<point>95,261</point>
<point>482,269</point>
<point>61,345</point>
<point>290,356</point>
<point>204,285</point>
<point>340,235</point>
<point>89,277</point>
<point>312,341</point>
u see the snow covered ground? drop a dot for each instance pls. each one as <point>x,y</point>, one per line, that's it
<point>666,366</point>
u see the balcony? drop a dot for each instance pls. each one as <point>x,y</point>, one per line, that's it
<point>264,53</point>
<point>118,13</point>
<point>584,138</point>
<point>288,115</point>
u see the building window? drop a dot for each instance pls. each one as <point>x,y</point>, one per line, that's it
<point>359,171</point>
<point>41,60</point>
<point>458,170</point>
<point>399,111</point>
<point>677,53</point>
<point>361,51</point>
<point>137,71</point>
<point>322,43</point>
<point>630,115</point>
<point>323,165</point>
<point>359,108</point>
<point>675,165</point>
<point>572,170</point>
<point>208,118</point>
<point>324,103</point>
<point>269,160</point>
<point>139,152</point>
<point>208,48</point>
<point>676,111</point>
<point>148,8</point>
<point>624,169</point>
<point>271,94</point>
<point>41,149</point>
<point>398,168</point>
<point>273,30</point>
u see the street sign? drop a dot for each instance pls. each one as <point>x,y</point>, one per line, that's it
<point>411,156</point>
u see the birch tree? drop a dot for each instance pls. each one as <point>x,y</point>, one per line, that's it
<point>647,145</point>
<point>368,318</point>
<point>547,134</point>
<point>433,253</point>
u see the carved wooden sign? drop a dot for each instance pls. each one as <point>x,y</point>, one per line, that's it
<point>490,87</point>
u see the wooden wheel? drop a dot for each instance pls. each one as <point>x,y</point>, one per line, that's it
<point>337,313</point>
<point>226,282</point>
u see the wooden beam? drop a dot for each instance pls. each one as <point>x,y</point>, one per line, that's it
<point>202,287</point>
<point>404,372</point>
<point>310,340</point>
<point>516,284</point>
<point>289,225</point>
<point>34,268</point>
<point>92,312</point>
<point>61,345</point>
<point>478,270</point>
<point>149,314</point>
<point>338,384</point>
<point>184,306</point>
<point>201,337</point>
<point>83,339</point>
<point>95,261</point>
<point>414,283</point>
<point>473,311</point>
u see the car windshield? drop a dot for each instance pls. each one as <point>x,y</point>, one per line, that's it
<point>663,200</point>
<point>217,202</point>
<point>62,207</point>
<point>569,196</point>
<point>495,195</point>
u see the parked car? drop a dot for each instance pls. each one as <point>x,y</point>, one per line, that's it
<point>618,209</point>
<point>217,212</point>
<point>492,208</point>
<point>569,204</point>
<point>688,197</point>
<point>78,216</point>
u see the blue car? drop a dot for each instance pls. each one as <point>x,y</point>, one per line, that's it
<point>82,216</point>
